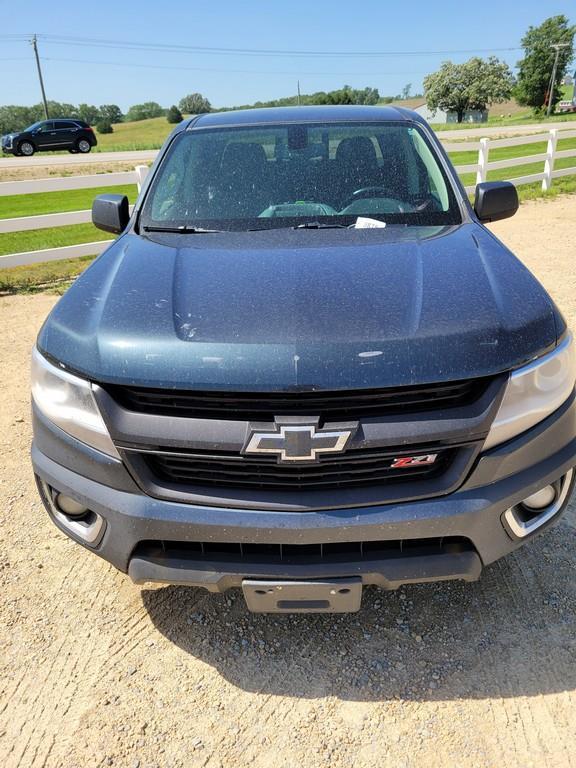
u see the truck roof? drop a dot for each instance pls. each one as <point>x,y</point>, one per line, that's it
<point>321,114</point>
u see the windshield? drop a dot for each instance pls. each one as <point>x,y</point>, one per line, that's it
<point>260,177</point>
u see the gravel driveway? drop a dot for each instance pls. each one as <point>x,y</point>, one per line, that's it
<point>97,672</point>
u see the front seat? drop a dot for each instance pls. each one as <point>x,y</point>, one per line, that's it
<point>357,165</point>
<point>240,190</point>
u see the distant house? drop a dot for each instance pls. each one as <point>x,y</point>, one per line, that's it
<point>440,116</point>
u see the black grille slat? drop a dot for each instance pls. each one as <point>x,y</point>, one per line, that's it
<point>352,469</point>
<point>304,553</point>
<point>330,405</point>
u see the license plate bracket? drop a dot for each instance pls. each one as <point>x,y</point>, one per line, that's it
<point>313,596</point>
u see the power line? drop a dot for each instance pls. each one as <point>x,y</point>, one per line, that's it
<point>226,71</point>
<point>176,48</point>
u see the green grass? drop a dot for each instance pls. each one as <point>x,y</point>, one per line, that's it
<point>13,206</point>
<point>55,237</point>
<point>520,119</point>
<point>143,134</point>
<point>521,150</point>
<point>52,275</point>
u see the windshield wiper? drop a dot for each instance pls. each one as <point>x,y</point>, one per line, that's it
<point>319,225</point>
<point>183,230</point>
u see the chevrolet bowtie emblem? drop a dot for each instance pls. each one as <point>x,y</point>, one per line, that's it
<point>298,442</point>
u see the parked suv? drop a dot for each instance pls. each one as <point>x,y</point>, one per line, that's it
<point>304,366</point>
<point>51,135</point>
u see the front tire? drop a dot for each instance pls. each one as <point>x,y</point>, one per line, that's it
<point>83,146</point>
<point>26,148</point>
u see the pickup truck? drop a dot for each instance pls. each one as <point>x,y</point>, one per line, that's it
<point>304,366</point>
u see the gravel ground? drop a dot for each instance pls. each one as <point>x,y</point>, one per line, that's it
<point>96,671</point>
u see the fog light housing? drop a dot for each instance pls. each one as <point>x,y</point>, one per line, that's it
<point>81,523</point>
<point>532,513</point>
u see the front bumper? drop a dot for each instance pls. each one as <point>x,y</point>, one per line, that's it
<point>134,522</point>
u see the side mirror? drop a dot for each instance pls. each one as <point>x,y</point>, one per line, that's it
<point>111,213</point>
<point>495,200</point>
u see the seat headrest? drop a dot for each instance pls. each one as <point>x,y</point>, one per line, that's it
<point>237,153</point>
<point>357,150</point>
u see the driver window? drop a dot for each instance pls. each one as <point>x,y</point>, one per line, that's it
<point>435,179</point>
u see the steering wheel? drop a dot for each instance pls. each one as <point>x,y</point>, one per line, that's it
<point>367,192</point>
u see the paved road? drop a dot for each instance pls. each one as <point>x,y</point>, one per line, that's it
<point>139,156</point>
<point>136,156</point>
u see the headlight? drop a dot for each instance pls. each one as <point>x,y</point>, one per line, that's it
<point>534,392</point>
<point>68,402</point>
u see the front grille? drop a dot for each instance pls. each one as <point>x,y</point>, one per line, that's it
<point>355,468</point>
<point>332,552</point>
<point>330,405</point>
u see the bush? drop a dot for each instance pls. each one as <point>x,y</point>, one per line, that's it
<point>144,111</point>
<point>174,115</point>
<point>104,127</point>
<point>194,104</point>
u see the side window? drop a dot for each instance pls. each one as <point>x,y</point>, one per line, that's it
<point>171,182</point>
<point>65,124</point>
<point>435,178</point>
<point>46,127</point>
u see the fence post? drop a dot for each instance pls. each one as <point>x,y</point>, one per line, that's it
<point>549,162</point>
<point>141,173</point>
<point>482,160</point>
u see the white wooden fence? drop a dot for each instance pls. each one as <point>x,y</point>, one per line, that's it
<point>481,168</point>
<point>484,165</point>
<point>46,220</point>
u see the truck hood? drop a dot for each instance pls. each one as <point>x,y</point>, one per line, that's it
<point>290,309</point>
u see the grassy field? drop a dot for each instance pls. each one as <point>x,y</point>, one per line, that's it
<point>509,113</point>
<point>54,237</point>
<point>143,134</point>
<point>57,202</point>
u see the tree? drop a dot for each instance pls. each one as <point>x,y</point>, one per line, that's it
<point>111,112</point>
<point>174,115</point>
<point>89,113</point>
<point>406,91</point>
<point>472,85</point>
<point>145,111</point>
<point>14,118</point>
<point>104,126</point>
<point>535,69</point>
<point>194,104</point>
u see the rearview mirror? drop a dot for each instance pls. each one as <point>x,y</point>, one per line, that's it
<point>111,213</point>
<point>495,200</point>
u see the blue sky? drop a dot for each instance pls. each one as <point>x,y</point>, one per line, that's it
<point>122,75</point>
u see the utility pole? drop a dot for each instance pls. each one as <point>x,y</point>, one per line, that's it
<point>298,92</point>
<point>556,47</point>
<point>35,46</point>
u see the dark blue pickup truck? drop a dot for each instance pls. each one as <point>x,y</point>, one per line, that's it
<point>304,366</point>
